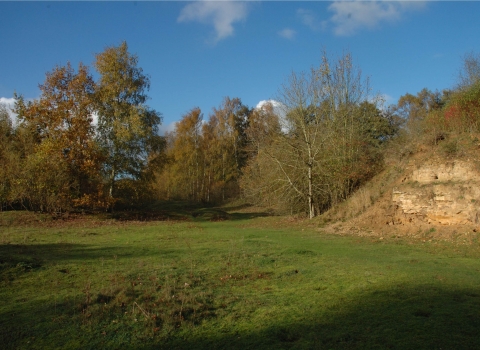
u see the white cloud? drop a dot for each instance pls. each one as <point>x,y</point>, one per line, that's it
<point>280,111</point>
<point>287,33</point>
<point>221,14</point>
<point>351,16</point>
<point>278,107</point>
<point>9,103</point>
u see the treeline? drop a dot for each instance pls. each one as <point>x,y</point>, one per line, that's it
<point>459,109</point>
<point>323,137</point>
<point>95,144</point>
<point>205,159</point>
<point>435,115</point>
<point>83,142</point>
<point>318,143</point>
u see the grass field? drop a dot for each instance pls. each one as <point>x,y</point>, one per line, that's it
<point>208,280</point>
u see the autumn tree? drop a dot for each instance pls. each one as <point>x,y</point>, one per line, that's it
<point>60,158</point>
<point>63,166</point>
<point>469,73</point>
<point>206,159</point>
<point>462,110</point>
<point>6,161</point>
<point>226,131</point>
<point>414,109</point>
<point>127,128</point>
<point>455,110</point>
<point>462,107</point>
<point>317,155</point>
<point>263,124</point>
<point>186,170</point>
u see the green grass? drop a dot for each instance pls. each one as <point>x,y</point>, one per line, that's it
<point>237,281</point>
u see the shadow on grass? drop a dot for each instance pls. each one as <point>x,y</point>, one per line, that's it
<point>406,317</point>
<point>187,213</point>
<point>150,212</point>
<point>237,207</point>
<point>146,216</point>
<point>403,317</point>
<point>248,216</point>
<point>32,256</point>
<point>169,210</point>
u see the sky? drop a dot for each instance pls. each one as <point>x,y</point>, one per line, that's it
<point>197,53</point>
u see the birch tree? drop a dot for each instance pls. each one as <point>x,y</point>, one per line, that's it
<point>187,166</point>
<point>127,127</point>
<point>317,151</point>
<point>228,124</point>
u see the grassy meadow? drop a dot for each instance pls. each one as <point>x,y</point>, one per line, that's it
<point>204,279</point>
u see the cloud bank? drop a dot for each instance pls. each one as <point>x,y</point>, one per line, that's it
<point>221,14</point>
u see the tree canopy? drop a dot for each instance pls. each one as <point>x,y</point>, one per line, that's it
<point>327,145</point>
<point>58,157</point>
<point>90,143</point>
<point>127,128</point>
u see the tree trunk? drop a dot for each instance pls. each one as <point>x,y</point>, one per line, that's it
<point>311,207</point>
<point>110,190</point>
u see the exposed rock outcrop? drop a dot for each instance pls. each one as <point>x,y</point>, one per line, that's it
<point>438,193</point>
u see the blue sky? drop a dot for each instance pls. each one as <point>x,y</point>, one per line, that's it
<point>196,53</point>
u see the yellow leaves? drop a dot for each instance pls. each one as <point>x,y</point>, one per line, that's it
<point>64,161</point>
<point>63,155</point>
<point>207,157</point>
<point>126,124</point>
<point>97,200</point>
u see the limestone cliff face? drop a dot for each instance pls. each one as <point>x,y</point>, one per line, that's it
<point>438,193</point>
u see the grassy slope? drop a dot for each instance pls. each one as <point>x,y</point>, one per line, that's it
<point>247,282</point>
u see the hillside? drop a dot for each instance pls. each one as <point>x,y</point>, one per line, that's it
<point>428,190</point>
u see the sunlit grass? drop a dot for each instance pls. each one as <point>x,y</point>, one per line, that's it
<point>238,281</point>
